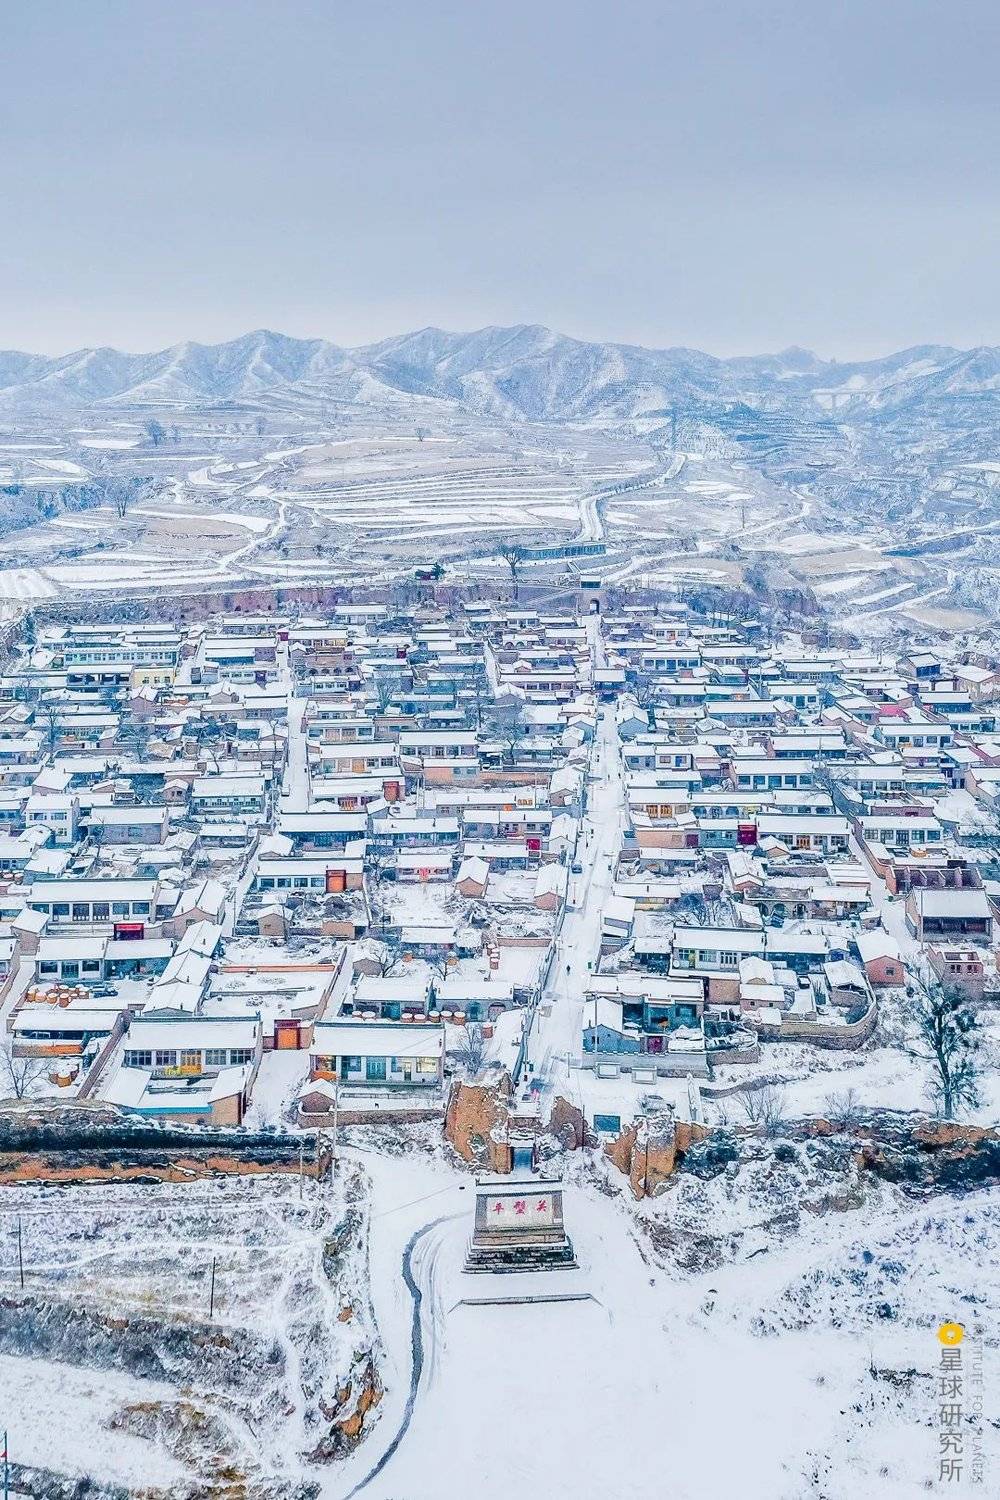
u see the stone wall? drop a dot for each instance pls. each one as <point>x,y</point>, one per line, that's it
<point>388,1116</point>
<point>917,1154</point>
<point>845,1038</point>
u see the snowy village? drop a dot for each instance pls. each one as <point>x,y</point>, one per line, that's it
<point>499,751</point>
<point>572,912</point>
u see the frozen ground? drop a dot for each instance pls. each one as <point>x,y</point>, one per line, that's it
<point>786,1302</point>
<point>65,1418</point>
<point>807,1079</point>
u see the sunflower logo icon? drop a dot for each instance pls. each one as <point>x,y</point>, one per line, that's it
<point>951,1334</point>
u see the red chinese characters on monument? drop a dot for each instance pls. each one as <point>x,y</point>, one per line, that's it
<point>525,1212</point>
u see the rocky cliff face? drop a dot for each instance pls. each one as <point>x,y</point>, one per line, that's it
<point>933,1157</point>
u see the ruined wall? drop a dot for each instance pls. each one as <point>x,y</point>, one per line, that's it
<point>476,1123</point>
<point>647,1153</point>
<point>916,1153</point>
<point>847,1037</point>
<point>569,1126</point>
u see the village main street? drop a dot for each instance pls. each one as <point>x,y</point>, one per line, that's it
<point>557,1026</point>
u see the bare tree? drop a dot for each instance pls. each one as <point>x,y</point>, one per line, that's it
<point>209,737</point>
<point>375,867</point>
<point>47,715</point>
<point>645,690</point>
<point>479,691</point>
<point>156,432</point>
<point>386,959</point>
<point>947,1037</point>
<point>843,1109</point>
<point>471,1051</point>
<point>120,495</point>
<point>506,723</point>
<point>384,687</point>
<point>764,1108</point>
<point>119,491</point>
<point>440,964</point>
<point>19,1076</point>
<point>133,738</point>
<point>513,556</point>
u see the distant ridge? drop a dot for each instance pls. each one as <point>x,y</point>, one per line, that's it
<point>523,372</point>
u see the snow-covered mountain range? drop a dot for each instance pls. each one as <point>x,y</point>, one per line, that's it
<point>525,372</point>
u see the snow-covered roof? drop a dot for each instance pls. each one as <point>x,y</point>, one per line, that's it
<point>424,859</point>
<point>756,971</point>
<point>843,974</point>
<point>377,1039</point>
<point>601,1010</point>
<point>154,1029</point>
<point>963,903</point>
<point>459,989</point>
<point>551,880</point>
<point>408,989</point>
<point>876,944</point>
<point>474,869</point>
<point>32,1019</point>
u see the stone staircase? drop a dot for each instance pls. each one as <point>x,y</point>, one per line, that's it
<point>508,1258</point>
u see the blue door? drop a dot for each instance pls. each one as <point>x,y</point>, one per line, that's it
<point>375,1069</point>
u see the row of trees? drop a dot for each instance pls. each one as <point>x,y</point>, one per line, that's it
<point>156,433</point>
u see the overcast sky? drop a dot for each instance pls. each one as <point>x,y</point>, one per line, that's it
<point>734,175</point>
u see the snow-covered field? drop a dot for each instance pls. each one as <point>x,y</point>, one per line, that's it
<point>295,497</point>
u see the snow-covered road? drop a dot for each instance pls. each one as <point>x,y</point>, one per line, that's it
<point>414,1199</point>
<point>557,1026</point>
<point>295,781</point>
<point>656,1382</point>
<point>592,527</point>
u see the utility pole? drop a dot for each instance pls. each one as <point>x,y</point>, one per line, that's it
<point>301,1158</point>
<point>336,1112</point>
<point>211,1293</point>
<point>6,1468</point>
<point>20,1252</point>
